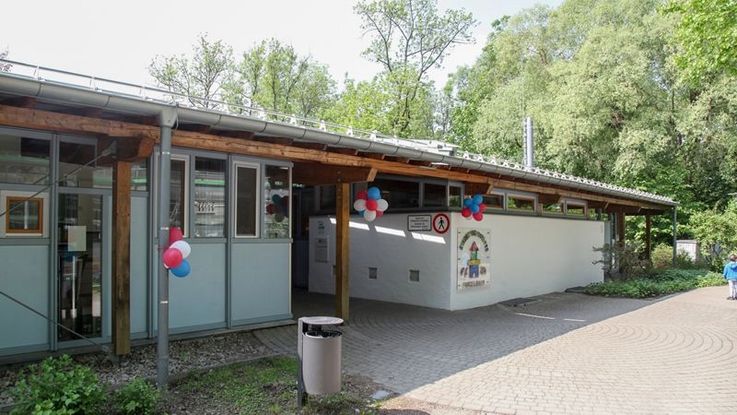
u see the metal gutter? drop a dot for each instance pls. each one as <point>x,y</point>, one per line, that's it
<point>145,104</point>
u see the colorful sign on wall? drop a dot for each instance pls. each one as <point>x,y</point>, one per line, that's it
<point>474,258</point>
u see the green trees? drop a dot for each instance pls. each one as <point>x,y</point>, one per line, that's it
<point>270,75</point>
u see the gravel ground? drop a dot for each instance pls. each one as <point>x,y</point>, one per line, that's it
<point>184,356</point>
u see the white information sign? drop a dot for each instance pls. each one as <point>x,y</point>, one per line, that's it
<point>76,238</point>
<point>422,223</point>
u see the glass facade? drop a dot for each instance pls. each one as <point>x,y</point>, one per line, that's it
<point>209,198</point>
<point>81,166</point>
<point>246,194</point>
<point>24,160</point>
<point>276,202</point>
<point>434,195</point>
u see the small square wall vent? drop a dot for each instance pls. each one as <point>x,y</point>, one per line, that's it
<point>373,273</point>
<point>414,275</point>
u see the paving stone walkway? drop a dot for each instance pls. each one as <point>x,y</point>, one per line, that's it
<point>568,353</point>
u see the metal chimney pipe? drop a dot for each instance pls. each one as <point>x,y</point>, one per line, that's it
<point>529,160</point>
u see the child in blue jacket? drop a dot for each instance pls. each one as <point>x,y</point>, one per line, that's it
<point>730,273</point>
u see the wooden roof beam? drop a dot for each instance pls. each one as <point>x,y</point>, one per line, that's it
<point>313,174</point>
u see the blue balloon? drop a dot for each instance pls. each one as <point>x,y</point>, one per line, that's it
<point>374,193</point>
<point>468,202</point>
<point>475,208</point>
<point>182,270</point>
<point>478,199</point>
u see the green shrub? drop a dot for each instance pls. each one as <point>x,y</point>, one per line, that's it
<point>58,386</point>
<point>622,262</point>
<point>658,283</point>
<point>137,398</point>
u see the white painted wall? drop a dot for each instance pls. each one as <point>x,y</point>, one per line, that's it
<point>530,256</point>
<point>387,245</point>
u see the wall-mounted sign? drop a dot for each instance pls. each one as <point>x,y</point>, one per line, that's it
<point>474,258</point>
<point>440,223</point>
<point>421,223</point>
<point>76,238</point>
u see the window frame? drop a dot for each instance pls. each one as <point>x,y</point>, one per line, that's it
<point>504,200</point>
<point>235,165</point>
<point>186,158</point>
<point>523,196</point>
<point>261,210</point>
<point>5,195</point>
<point>577,203</point>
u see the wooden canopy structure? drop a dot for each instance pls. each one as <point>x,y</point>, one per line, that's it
<point>135,133</point>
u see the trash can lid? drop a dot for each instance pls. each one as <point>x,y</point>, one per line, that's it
<point>322,321</point>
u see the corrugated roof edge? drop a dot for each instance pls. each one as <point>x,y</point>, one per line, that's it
<point>150,100</point>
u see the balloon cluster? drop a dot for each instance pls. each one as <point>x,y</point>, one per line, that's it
<point>370,204</point>
<point>474,206</point>
<point>279,207</point>
<point>175,256</point>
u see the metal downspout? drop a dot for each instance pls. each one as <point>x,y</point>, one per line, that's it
<point>167,119</point>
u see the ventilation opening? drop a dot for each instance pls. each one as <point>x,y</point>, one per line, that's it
<point>414,275</point>
<point>373,273</point>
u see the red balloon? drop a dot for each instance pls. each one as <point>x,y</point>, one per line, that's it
<point>379,213</point>
<point>362,195</point>
<point>466,212</point>
<point>371,204</point>
<point>175,234</point>
<point>482,207</point>
<point>478,216</point>
<point>172,258</point>
<point>270,209</point>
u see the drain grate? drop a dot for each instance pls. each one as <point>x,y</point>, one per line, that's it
<point>520,302</point>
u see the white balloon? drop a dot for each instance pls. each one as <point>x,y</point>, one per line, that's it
<point>382,204</point>
<point>359,204</point>
<point>182,247</point>
<point>369,215</point>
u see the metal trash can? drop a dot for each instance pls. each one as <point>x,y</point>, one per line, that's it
<point>319,347</point>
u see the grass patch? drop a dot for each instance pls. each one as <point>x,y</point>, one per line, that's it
<point>266,386</point>
<point>661,282</point>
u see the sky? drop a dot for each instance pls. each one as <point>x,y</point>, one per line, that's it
<point>118,40</point>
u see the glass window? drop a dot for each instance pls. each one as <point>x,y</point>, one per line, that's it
<point>178,194</point>
<point>246,194</point>
<point>327,198</point>
<point>434,195</point>
<point>209,198</point>
<point>456,196</point>
<point>553,208</point>
<point>79,166</point>
<point>276,202</point>
<point>23,215</point>
<point>573,209</point>
<point>494,201</point>
<point>24,160</point>
<point>399,193</point>
<point>593,214</point>
<point>80,265</point>
<point>521,203</point>
<point>139,176</point>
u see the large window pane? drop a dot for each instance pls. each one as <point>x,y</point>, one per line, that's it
<point>520,203</point>
<point>575,210</point>
<point>209,198</point>
<point>276,202</point>
<point>24,160</point>
<point>399,193</point>
<point>80,265</point>
<point>553,208</point>
<point>434,195</point>
<point>456,196</point>
<point>178,194</point>
<point>139,176</point>
<point>494,201</point>
<point>80,167</point>
<point>246,193</point>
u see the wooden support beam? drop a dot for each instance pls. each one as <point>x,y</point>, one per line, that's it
<point>316,174</point>
<point>620,221</point>
<point>121,257</point>
<point>45,120</point>
<point>648,236</point>
<point>477,188</point>
<point>342,218</point>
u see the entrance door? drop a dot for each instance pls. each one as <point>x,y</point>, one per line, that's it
<point>80,271</point>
